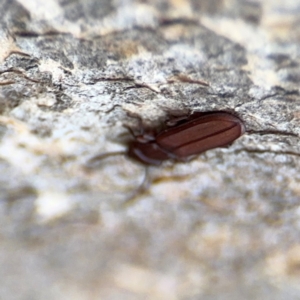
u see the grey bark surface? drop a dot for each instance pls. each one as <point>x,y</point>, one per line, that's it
<point>74,75</point>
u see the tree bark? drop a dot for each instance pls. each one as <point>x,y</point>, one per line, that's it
<point>79,222</point>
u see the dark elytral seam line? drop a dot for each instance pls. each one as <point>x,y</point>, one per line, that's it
<point>207,136</point>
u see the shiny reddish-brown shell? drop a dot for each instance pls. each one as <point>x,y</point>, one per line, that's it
<point>201,134</point>
<point>191,137</point>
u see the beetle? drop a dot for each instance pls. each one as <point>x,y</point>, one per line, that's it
<point>191,136</point>
<point>183,138</point>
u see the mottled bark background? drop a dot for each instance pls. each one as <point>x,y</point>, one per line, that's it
<point>73,76</point>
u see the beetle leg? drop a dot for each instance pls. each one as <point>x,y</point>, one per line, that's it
<point>266,132</point>
<point>146,137</point>
<point>143,137</point>
<point>185,159</point>
<point>131,131</point>
<point>143,188</point>
<point>175,120</point>
<point>147,153</point>
<point>94,163</point>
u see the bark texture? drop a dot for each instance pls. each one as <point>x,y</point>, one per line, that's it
<point>76,225</point>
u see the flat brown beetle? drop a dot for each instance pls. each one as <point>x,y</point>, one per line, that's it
<point>196,134</point>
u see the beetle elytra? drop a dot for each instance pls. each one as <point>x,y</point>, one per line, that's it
<point>196,134</point>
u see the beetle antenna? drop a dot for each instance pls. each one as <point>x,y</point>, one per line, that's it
<point>130,129</point>
<point>95,161</point>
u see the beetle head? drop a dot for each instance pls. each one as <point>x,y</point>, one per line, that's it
<point>147,153</point>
